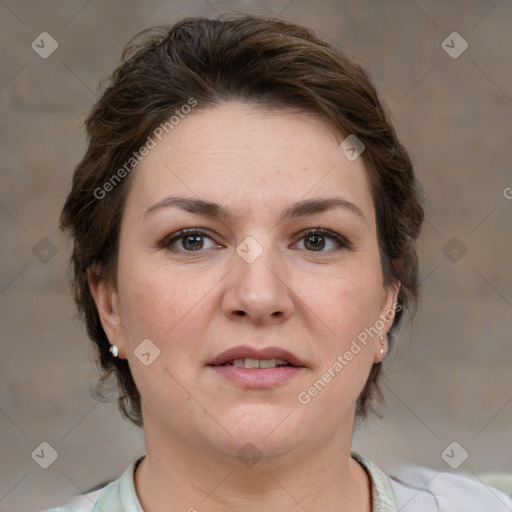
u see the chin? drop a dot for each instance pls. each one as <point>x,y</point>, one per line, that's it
<point>268,431</point>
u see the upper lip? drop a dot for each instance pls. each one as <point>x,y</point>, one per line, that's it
<point>246,352</point>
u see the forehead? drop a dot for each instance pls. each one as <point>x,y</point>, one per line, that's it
<point>251,158</point>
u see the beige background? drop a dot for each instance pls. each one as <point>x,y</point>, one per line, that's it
<point>450,378</point>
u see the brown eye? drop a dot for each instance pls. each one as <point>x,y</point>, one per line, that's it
<point>322,241</point>
<point>192,242</point>
<point>314,242</point>
<point>188,240</point>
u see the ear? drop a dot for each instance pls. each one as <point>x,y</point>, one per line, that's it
<point>389,302</point>
<point>386,318</point>
<point>107,303</point>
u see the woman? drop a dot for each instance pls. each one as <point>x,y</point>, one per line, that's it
<point>244,225</point>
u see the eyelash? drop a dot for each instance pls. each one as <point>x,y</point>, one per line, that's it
<point>339,240</point>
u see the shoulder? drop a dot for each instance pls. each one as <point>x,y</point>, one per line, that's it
<point>117,495</point>
<point>59,509</point>
<point>81,503</point>
<point>422,489</point>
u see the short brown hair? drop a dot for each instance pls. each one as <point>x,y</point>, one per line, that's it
<point>268,62</point>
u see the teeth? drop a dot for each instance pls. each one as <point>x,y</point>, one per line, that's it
<point>251,363</point>
<point>259,363</point>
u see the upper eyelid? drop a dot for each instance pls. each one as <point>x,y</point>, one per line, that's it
<point>322,231</point>
<point>172,237</point>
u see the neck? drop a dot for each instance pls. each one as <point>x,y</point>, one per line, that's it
<point>180,477</point>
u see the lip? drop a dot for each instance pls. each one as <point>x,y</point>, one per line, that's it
<point>257,378</point>
<point>246,352</point>
<point>261,378</point>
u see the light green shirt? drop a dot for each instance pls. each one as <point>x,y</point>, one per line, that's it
<point>411,489</point>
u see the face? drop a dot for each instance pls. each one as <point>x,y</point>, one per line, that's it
<point>248,258</point>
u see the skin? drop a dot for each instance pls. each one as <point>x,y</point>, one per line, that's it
<point>194,305</point>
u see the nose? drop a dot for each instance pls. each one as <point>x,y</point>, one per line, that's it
<point>258,292</point>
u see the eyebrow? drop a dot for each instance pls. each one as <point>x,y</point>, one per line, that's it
<point>300,209</point>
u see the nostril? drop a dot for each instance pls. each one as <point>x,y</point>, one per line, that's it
<point>240,313</point>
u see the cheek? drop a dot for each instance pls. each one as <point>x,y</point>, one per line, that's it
<point>167,309</point>
<point>163,304</point>
<point>348,303</point>
<point>349,308</point>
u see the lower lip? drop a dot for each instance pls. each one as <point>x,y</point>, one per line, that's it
<point>258,377</point>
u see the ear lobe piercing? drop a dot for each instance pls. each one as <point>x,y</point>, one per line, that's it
<point>382,342</point>
<point>114,350</point>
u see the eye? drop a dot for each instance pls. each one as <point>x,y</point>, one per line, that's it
<point>188,240</point>
<point>322,240</point>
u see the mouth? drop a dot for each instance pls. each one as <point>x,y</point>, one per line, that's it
<point>255,369</point>
<point>257,363</point>
<point>248,357</point>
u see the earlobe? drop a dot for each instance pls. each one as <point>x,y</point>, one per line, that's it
<point>107,303</point>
